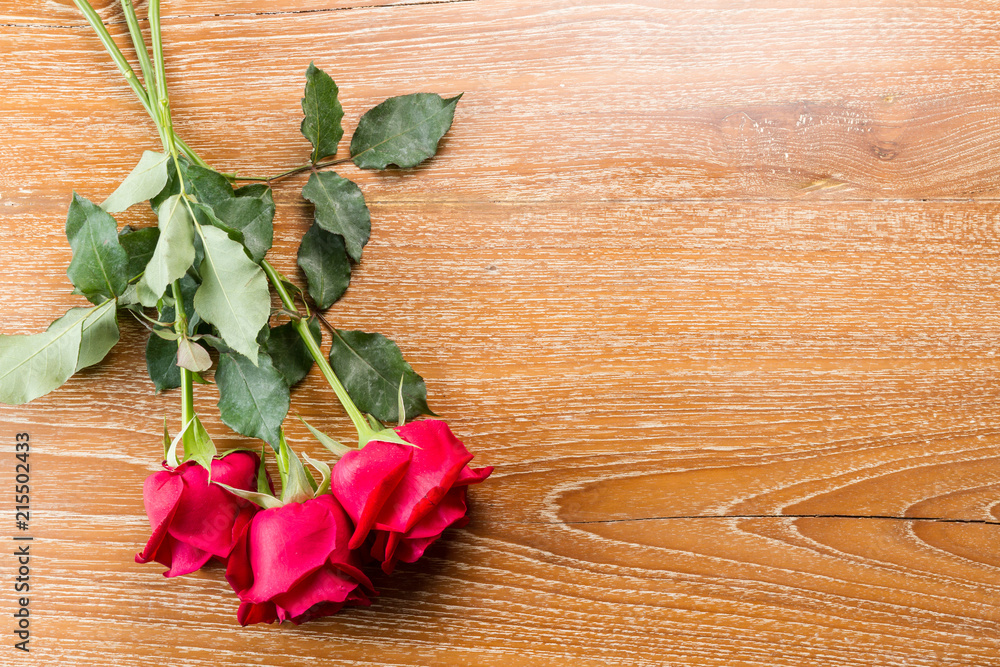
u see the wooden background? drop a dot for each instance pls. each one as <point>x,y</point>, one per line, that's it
<point>712,284</point>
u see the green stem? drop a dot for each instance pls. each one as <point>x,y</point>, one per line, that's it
<point>189,152</point>
<point>302,327</point>
<point>119,59</point>
<point>187,380</point>
<point>291,172</point>
<point>140,47</point>
<point>162,96</point>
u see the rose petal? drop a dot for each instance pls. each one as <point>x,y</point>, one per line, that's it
<point>185,559</point>
<point>288,543</point>
<point>362,480</point>
<point>472,476</point>
<point>160,494</point>
<point>329,609</point>
<point>238,470</point>
<point>433,469</point>
<point>411,550</point>
<point>205,514</point>
<point>448,512</point>
<point>322,586</point>
<point>239,574</point>
<point>409,547</point>
<point>250,613</point>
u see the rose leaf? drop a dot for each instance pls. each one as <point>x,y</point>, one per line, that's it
<point>100,265</point>
<point>289,354</point>
<point>145,181</point>
<point>323,113</point>
<point>403,131</point>
<point>370,367</point>
<point>323,258</point>
<point>253,400</point>
<point>233,294</point>
<point>340,209</point>
<point>174,251</point>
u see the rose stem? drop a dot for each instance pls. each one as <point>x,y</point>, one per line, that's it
<point>302,327</point>
<point>161,116</point>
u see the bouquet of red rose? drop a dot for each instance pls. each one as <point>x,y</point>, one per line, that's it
<point>201,283</point>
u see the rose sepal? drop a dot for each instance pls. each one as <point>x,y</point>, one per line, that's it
<point>262,500</point>
<point>201,452</point>
<point>297,485</point>
<point>336,448</point>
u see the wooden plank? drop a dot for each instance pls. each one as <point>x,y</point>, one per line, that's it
<point>682,104</point>
<point>63,13</point>
<point>826,361</point>
<point>740,413</point>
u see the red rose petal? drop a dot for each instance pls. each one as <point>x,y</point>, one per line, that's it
<point>472,476</point>
<point>160,494</point>
<point>250,613</point>
<point>185,559</point>
<point>288,543</point>
<point>205,513</point>
<point>448,512</point>
<point>364,479</point>
<point>322,586</point>
<point>239,574</point>
<point>433,469</point>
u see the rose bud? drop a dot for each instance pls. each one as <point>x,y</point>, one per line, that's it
<point>193,520</point>
<point>406,495</point>
<point>292,563</point>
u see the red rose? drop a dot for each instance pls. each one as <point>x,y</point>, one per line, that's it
<point>193,520</point>
<point>292,563</point>
<point>407,495</point>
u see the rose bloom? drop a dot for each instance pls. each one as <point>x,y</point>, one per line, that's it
<point>406,496</point>
<point>193,520</point>
<point>292,563</point>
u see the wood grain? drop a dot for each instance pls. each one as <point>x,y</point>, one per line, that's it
<point>712,285</point>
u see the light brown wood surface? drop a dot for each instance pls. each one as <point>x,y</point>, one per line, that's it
<point>712,284</point>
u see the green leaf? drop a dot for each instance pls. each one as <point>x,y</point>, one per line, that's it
<point>340,209</point>
<point>289,353</point>
<point>323,112</point>
<point>173,186</point>
<point>161,363</point>
<point>192,356</point>
<point>388,435</point>
<point>99,334</point>
<point>370,366</point>
<point>169,446</point>
<point>161,354</point>
<point>233,295</point>
<point>401,404</point>
<point>33,365</point>
<point>146,181</point>
<point>402,130</point>
<point>99,267</point>
<point>139,245</point>
<point>251,212</point>
<point>174,251</point>
<point>323,258</point>
<point>253,400</point>
<point>206,215</point>
<point>207,186</point>
<point>189,287</point>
